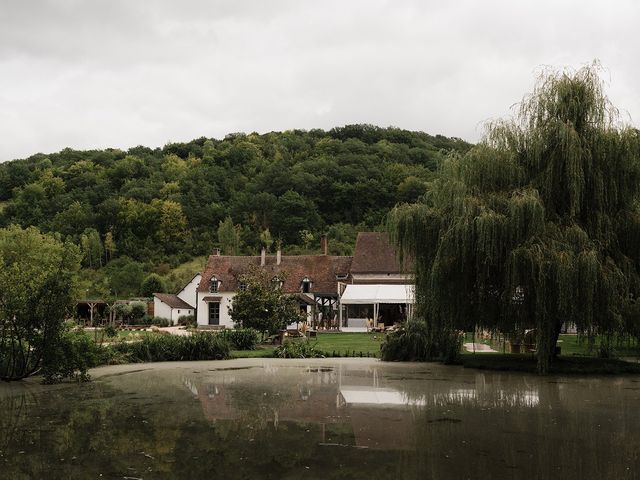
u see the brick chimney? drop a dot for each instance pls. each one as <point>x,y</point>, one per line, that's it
<point>324,245</point>
<point>216,252</point>
<point>263,257</point>
<point>278,256</point>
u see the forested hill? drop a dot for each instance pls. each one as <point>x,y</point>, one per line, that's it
<point>166,205</point>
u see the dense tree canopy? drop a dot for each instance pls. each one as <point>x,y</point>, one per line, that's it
<point>165,205</point>
<point>536,226</point>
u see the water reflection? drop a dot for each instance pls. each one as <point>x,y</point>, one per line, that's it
<point>321,419</point>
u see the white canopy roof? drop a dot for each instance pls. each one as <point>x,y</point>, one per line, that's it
<point>369,294</point>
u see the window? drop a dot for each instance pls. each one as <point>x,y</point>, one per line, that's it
<point>242,286</point>
<point>178,312</point>
<point>214,313</point>
<point>277,283</point>
<point>305,285</point>
<point>214,284</point>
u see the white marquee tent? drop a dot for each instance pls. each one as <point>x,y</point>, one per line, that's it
<point>376,294</point>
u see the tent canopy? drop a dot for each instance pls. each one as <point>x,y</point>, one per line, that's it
<point>371,294</point>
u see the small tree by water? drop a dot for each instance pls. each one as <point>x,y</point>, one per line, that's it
<point>538,225</point>
<point>37,285</point>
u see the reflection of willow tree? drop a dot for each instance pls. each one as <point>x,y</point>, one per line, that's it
<point>568,435</point>
<point>537,225</point>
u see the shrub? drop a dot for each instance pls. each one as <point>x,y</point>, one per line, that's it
<point>123,311</point>
<point>158,322</point>
<point>71,356</point>
<point>110,331</point>
<point>302,349</point>
<point>187,320</point>
<point>138,309</point>
<point>409,343</point>
<point>413,343</point>
<point>242,338</point>
<point>169,348</point>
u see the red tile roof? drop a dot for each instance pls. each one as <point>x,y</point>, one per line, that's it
<point>172,300</point>
<point>374,254</point>
<point>320,269</point>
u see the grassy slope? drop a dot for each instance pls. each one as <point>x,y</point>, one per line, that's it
<point>179,276</point>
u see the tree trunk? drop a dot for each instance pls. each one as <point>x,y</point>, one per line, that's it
<point>547,339</point>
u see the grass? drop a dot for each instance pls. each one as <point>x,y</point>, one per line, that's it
<point>342,344</point>
<point>178,277</point>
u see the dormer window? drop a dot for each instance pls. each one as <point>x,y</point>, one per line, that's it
<point>214,284</point>
<point>305,285</point>
<point>277,282</point>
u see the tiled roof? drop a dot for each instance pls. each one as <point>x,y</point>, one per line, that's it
<point>172,300</point>
<point>320,269</point>
<point>374,254</point>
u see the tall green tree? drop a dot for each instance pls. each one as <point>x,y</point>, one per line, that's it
<point>229,236</point>
<point>37,285</point>
<point>92,248</point>
<point>536,226</point>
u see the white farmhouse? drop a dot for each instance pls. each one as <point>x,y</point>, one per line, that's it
<point>337,292</point>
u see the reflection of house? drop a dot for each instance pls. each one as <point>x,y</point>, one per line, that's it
<point>173,306</point>
<point>367,415</point>
<point>368,285</point>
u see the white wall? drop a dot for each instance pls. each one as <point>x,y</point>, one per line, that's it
<point>176,313</point>
<point>161,309</point>
<point>225,304</point>
<point>190,291</point>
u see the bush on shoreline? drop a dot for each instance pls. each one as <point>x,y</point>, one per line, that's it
<point>291,349</point>
<point>171,348</point>
<point>242,338</point>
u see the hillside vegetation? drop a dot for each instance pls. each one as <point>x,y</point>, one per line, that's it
<point>152,209</point>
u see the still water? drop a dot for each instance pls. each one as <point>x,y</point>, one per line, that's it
<point>326,419</point>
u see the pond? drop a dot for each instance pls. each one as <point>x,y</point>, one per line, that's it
<point>325,419</point>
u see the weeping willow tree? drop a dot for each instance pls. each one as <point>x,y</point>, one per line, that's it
<point>537,225</point>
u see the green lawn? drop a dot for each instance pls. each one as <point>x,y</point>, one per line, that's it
<point>348,343</point>
<point>333,344</point>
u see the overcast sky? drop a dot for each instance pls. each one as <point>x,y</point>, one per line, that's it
<point>120,73</point>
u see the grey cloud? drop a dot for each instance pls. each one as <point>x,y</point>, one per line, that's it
<point>94,74</point>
